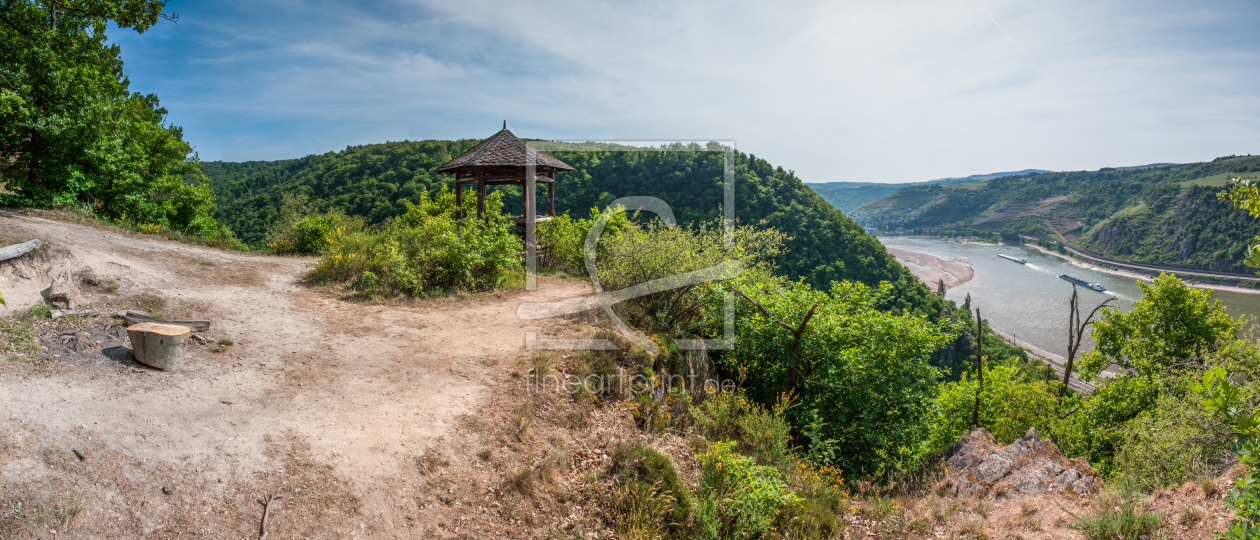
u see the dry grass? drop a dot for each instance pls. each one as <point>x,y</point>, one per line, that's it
<point>1028,506</point>
<point>641,511</point>
<point>1207,485</point>
<point>1027,522</point>
<point>21,518</point>
<point>431,461</point>
<point>522,418</point>
<point>1191,515</point>
<point>980,506</point>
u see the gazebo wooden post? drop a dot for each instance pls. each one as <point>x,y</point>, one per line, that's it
<point>551,196</point>
<point>459,198</point>
<point>531,218</point>
<point>481,193</point>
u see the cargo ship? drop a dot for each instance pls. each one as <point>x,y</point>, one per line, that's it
<point>1082,282</point>
<point>1010,258</point>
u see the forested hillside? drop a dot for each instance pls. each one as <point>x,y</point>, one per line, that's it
<point>374,181</point>
<point>1165,214</point>
<point>849,196</point>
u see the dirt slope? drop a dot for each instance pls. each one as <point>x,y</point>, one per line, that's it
<point>340,397</point>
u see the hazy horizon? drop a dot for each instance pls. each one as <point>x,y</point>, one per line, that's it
<point>887,92</point>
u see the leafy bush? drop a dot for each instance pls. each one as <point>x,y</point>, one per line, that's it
<point>311,234</point>
<point>425,251</point>
<point>761,433</point>
<point>1172,327</point>
<point>1096,429</point>
<point>1222,397</point>
<point>1170,444</point>
<point>635,464</point>
<point>738,498</point>
<point>75,135</point>
<point>1009,405</point>
<point>642,253</point>
<point>822,500</point>
<point>865,371</point>
<point>563,239</point>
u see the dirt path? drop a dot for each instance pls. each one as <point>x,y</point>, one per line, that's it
<point>361,390</point>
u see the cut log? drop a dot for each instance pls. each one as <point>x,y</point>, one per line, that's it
<point>59,313</point>
<point>137,317</point>
<point>159,345</point>
<point>17,250</point>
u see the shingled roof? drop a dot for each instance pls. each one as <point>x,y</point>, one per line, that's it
<point>503,149</point>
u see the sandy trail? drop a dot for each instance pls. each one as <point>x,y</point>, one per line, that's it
<point>367,387</point>
<point>931,269</point>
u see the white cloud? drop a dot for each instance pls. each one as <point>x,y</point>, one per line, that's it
<point>869,90</point>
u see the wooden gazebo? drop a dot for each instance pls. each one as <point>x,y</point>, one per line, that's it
<point>503,159</point>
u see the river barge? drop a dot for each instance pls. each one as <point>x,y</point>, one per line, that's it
<point>1079,281</point>
<point>1010,258</point>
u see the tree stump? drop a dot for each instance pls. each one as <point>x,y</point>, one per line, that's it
<point>159,345</point>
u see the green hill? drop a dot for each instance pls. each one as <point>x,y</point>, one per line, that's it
<point>1160,214</point>
<point>373,181</point>
<point>849,196</point>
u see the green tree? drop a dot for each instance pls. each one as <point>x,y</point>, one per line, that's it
<point>74,133</point>
<point>1245,195</point>
<point>1173,326</point>
<point>866,372</point>
<point>1010,403</point>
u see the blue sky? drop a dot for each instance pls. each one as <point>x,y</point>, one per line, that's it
<point>883,91</point>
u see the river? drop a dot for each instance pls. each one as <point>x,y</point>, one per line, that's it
<point>1029,301</point>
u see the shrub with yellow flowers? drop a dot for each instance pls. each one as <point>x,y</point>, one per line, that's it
<point>738,498</point>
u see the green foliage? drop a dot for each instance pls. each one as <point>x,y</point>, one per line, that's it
<point>642,253</point>
<point>76,134</point>
<point>1173,326</point>
<point>1096,429</point>
<point>1009,405</point>
<point>1166,445</point>
<point>425,251</point>
<point>864,370</point>
<point>641,510</point>
<point>822,500</point>
<point>1143,428</point>
<point>761,433</point>
<point>563,239</point>
<point>312,234</point>
<point>739,499</point>
<point>1223,397</point>
<point>1244,194</point>
<point>639,464</point>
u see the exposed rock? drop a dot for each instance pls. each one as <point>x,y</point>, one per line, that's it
<point>1066,479</point>
<point>1053,469</point>
<point>993,469</point>
<point>978,466</point>
<point>1085,485</point>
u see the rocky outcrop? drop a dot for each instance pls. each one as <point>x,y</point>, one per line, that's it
<point>977,466</point>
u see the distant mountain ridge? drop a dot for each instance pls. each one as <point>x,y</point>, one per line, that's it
<point>849,196</point>
<point>1157,214</point>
